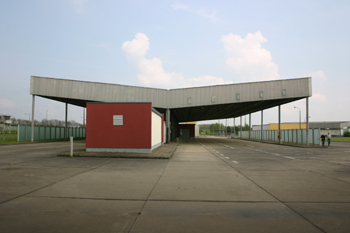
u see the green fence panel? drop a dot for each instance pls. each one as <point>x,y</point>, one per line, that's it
<point>36,133</point>
<point>57,132</point>
<point>29,133</point>
<point>317,136</point>
<point>42,133</point>
<point>21,133</point>
<point>46,133</point>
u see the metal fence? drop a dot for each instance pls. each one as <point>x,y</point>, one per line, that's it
<point>7,127</point>
<point>296,136</point>
<point>46,133</point>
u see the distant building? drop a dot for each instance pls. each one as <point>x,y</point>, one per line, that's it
<point>188,131</point>
<point>335,128</point>
<point>5,120</point>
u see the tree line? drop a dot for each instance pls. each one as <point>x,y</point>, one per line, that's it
<point>44,122</point>
<point>212,128</point>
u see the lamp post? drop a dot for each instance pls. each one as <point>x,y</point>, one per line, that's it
<point>46,117</point>
<point>301,132</point>
<point>28,115</point>
<point>299,117</point>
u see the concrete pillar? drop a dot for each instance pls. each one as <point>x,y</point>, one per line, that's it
<point>250,123</point>
<point>241,126</point>
<point>33,106</point>
<point>262,123</point>
<point>65,122</point>
<point>279,123</point>
<point>307,121</point>
<point>168,125</point>
<point>84,117</point>
<point>234,127</point>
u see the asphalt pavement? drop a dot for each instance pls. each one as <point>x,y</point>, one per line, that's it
<point>208,185</point>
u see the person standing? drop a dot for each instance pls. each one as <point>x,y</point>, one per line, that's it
<point>329,136</point>
<point>323,138</point>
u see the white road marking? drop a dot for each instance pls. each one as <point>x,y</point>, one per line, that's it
<point>221,154</point>
<point>288,157</point>
<point>338,162</point>
<point>226,157</point>
<point>234,161</point>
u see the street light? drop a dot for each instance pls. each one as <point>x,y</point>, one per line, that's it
<point>28,115</point>
<point>299,117</point>
<point>46,117</point>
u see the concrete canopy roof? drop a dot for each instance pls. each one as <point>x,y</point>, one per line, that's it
<point>187,104</point>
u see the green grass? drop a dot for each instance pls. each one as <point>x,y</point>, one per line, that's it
<point>340,139</point>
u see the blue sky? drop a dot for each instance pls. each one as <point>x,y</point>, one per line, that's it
<point>170,44</point>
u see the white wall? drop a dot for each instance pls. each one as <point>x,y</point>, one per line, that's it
<point>196,131</point>
<point>156,129</point>
<point>333,132</point>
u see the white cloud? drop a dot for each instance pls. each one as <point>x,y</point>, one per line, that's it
<point>151,71</point>
<point>317,77</point>
<point>7,105</point>
<point>319,83</point>
<point>79,5</point>
<point>318,97</point>
<point>247,59</point>
<point>197,11</point>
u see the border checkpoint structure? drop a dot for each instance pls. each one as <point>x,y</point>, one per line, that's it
<point>180,105</point>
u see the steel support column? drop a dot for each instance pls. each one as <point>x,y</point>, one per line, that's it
<point>65,122</point>
<point>250,123</point>
<point>241,126</point>
<point>168,125</point>
<point>234,127</point>
<point>307,121</point>
<point>33,107</point>
<point>279,123</point>
<point>262,123</point>
<point>83,117</point>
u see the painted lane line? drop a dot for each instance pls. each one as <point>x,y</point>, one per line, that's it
<point>226,157</point>
<point>288,157</point>
<point>338,162</point>
<point>234,161</point>
<point>221,154</point>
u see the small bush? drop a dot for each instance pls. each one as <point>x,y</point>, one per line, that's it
<point>347,134</point>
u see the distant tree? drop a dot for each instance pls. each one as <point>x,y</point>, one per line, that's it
<point>44,122</point>
<point>204,126</point>
<point>14,121</point>
<point>216,127</point>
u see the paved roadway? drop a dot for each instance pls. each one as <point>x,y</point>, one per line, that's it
<point>209,185</point>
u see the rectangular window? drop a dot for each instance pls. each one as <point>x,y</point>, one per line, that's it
<point>238,96</point>
<point>117,119</point>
